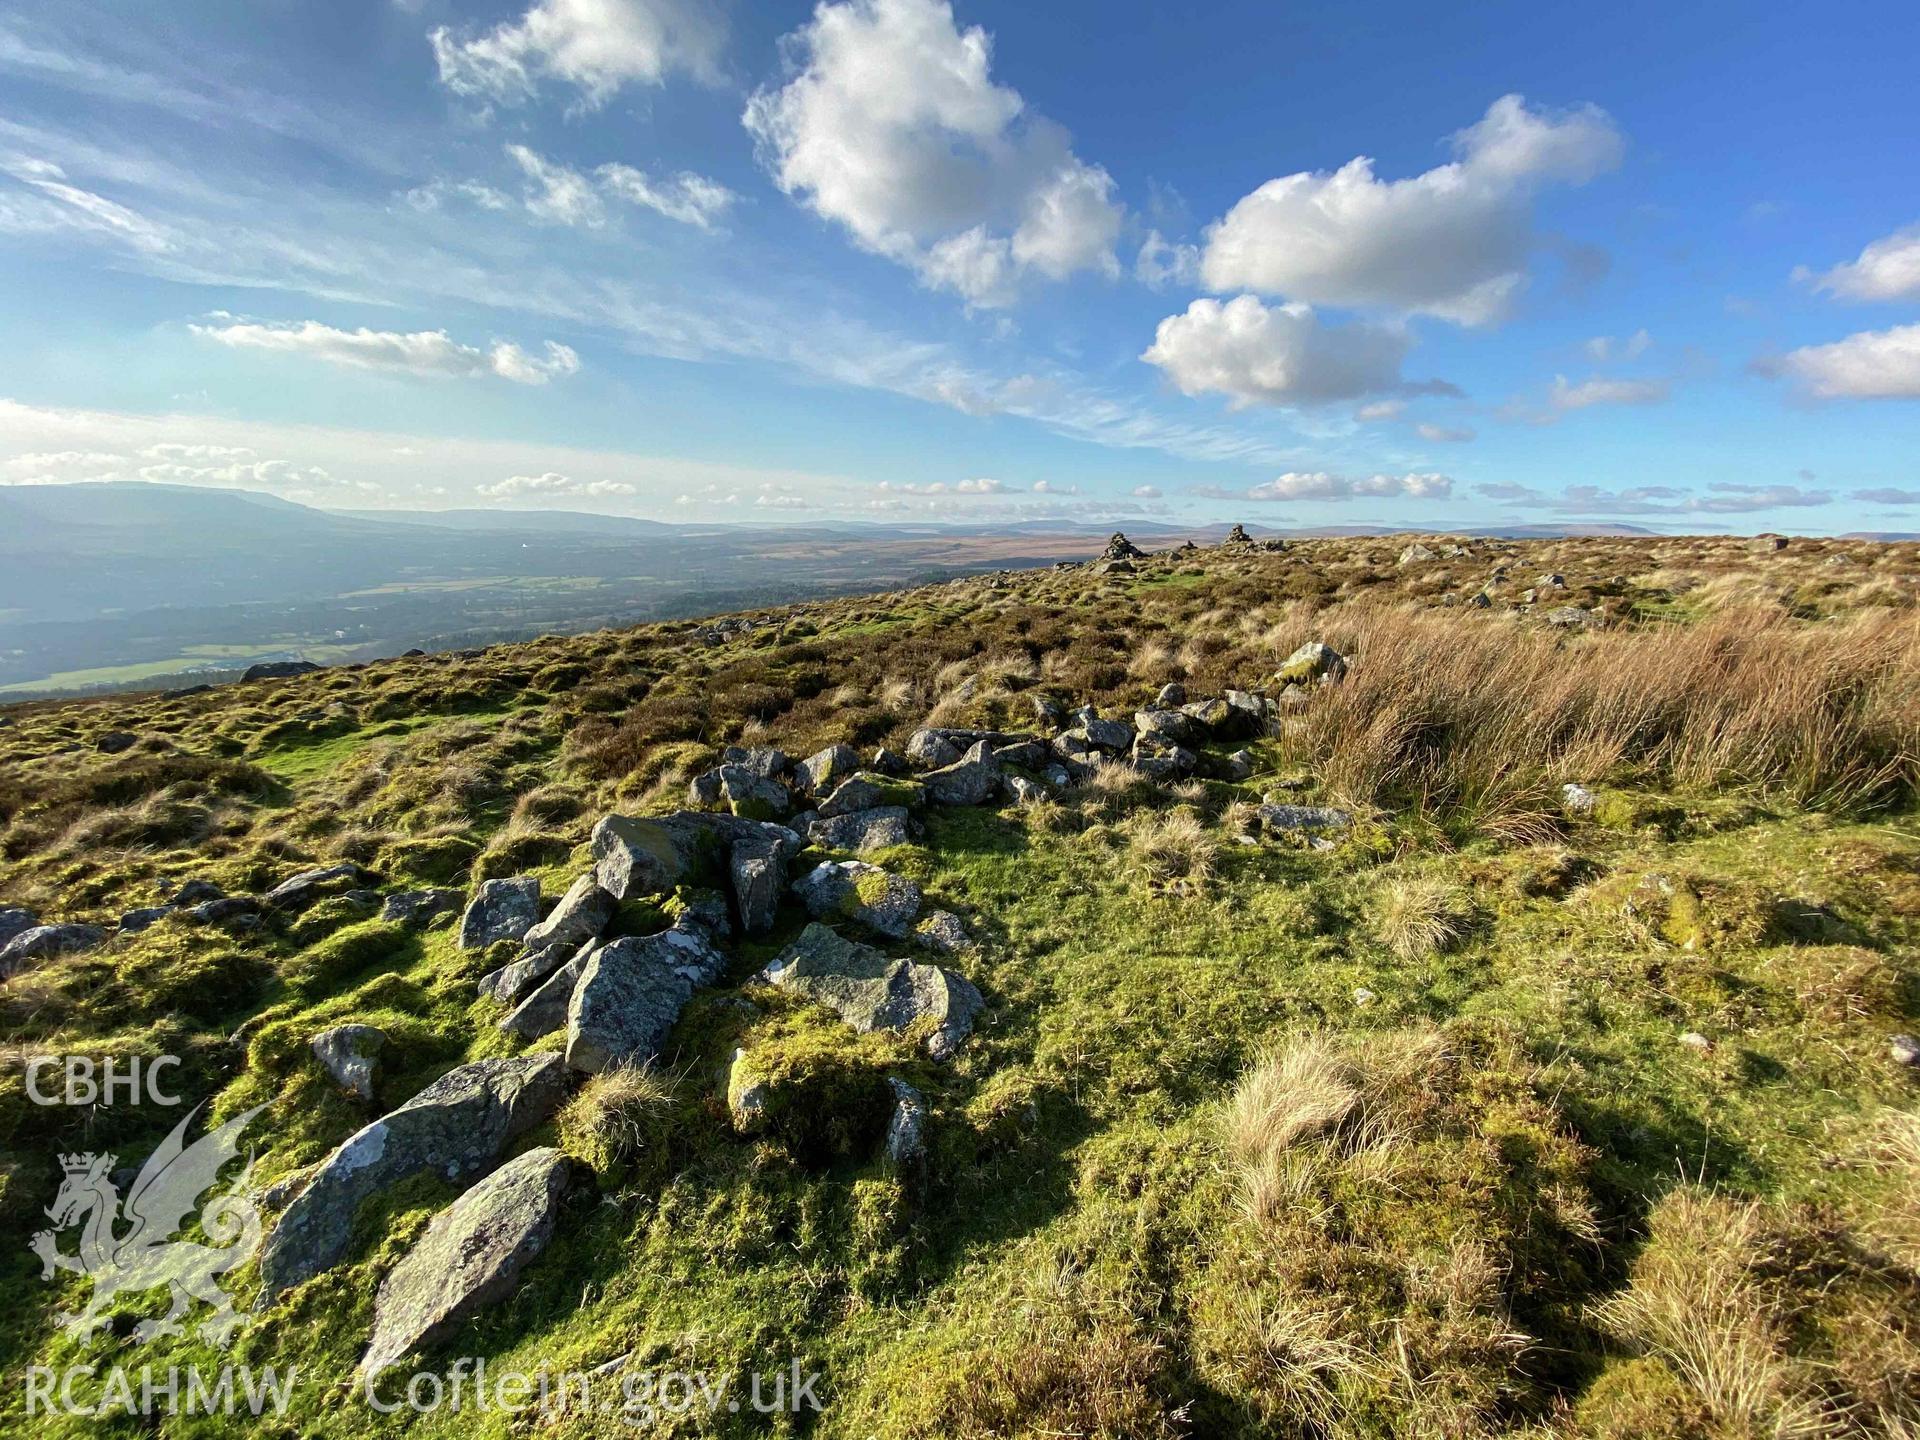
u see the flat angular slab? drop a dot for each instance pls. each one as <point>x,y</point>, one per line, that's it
<point>470,1257</point>
<point>457,1127</point>
<point>872,992</point>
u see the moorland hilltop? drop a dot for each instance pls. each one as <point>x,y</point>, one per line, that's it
<point>1360,987</point>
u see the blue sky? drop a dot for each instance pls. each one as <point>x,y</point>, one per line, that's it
<point>888,259</point>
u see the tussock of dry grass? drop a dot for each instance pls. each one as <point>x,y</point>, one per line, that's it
<point>1699,1302</point>
<point>1420,917</point>
<point>1174,849</point>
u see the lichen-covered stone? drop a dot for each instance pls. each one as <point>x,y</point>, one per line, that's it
<point>348,1053</point>
<point>631,993</point>
<point>456,1128</point>
<point>872,992</point>
<point>469,1258</point>
<point>854,890</point>
<point>583,912</point>
<point>503,910</point>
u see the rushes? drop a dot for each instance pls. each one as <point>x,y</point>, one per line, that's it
<point>1443,712</point>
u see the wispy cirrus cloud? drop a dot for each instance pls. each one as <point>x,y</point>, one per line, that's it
<point>429,353</point>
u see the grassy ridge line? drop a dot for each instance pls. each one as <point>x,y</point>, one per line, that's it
<point>1465,1244</point>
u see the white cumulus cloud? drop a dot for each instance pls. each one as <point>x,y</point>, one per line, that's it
<point>1888,269</point>
<point>420,352</point>
<point>553,485</point>
<point>596,46</point>
<point>1280,355</point>
<point>891,126</point>
<point>1452,242</point>
<point>1873,365</point>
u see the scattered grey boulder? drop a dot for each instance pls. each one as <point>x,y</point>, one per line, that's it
<point>347,1053</point>
<point>1577,798</point>
<point>455,1127</point>
<point>703,791</point>
<point>1313,661</point>
<point>1572,617</point>
<point>235,912</point>
<point>15,920</point>
<point>631,993</point>
<point>757,871</point>
<point>1174,726</point>
<point>636,856</point>
<point>469,1258</point>
<point>1023,790</point>
<point>1694,1040</point>
<point>930,750</point>
<point>1415,554</point>
<point>1172,695</point>
<point>864,831</point>
<point>822,770</point>
<point>43,942</point>
<point>310,886</point>
<point>1240,765</point>
<point>419,907</point>
<point>145,918</point>
<point>1303,817</point>
<point>503,910</point>
<point>907,1127</point>
<point>115,742</point>
<point>871,992</point>
<point>867,791</point>
<point>965,782</point>
<point>1905,1050</point>
<point>762,761</point>
<point>196,892</point>
<point>583,912</point>
<point>942,931</point>
<point>1480,600</point>
<point>855,890</point>
<point>753,796</point>
<point>887,762</point>
<point>1114,737</point>
<point>1113,567</point>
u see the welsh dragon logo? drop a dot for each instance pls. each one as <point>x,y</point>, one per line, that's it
<point>128,1246</point>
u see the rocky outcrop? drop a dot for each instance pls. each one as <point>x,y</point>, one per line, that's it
<point>456,1127</point>
<point>868,791</point>
<point>503,910</point>
<point>348,1053</point>
<point>943,931</point>
<point>470,1257</point>
<point>1303,817</point>
<point>631,993</point>
<point>872,992</point>
<point>854,890</point>
<point>1121,548</point>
